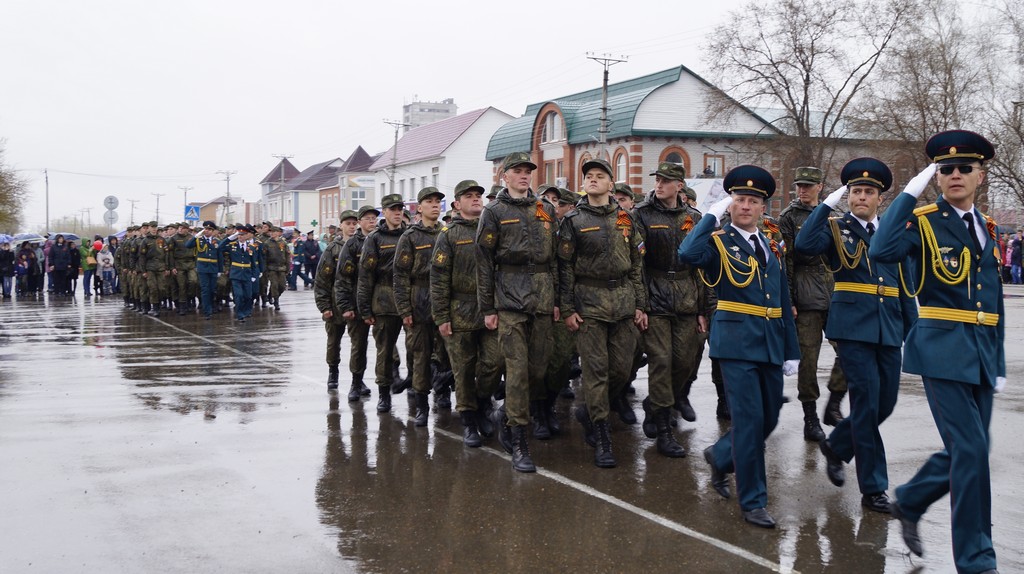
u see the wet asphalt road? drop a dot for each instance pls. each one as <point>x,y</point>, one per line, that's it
<point>130,444</point>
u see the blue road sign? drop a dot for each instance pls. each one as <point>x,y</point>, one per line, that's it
<point>191,213</point>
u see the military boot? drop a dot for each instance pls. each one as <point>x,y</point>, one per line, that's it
<point>142,308</point>
<point>484,407</point>
<point>154,310</point>
<point>422,409</point>
<point>332,378</point>
<point>470,434</point>
<point>363,389</point>
<point>650,426</point>
<point>667,444</point>
<point>399,383</point>
<point>521,460</point>
<point>603,457</point>
<point>384,401</point>
<point>277,303</point>
<point>553,424</point>
<point>621,406</point>
<point>683,404</point>
<point>832,414</point>
<point>722,412</point>
<point>356,390</point>
<point>812,428</point>
<point>540,420</point>
<point>181,308</point>
<point>500,422</point>
<point>583,417</point>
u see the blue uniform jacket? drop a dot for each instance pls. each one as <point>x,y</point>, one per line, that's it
<point>873,318</point>
<point>741,336</point>
<point>939,348</point>
<point>243,261</point>
<point>207,254</point>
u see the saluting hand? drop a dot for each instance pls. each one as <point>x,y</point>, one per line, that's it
<point>720,207</point>
<point>835,197</point>
<point>915,187</point>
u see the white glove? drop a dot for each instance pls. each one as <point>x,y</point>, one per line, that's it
<point>198,234</point>
<point>915,187</point>
<point>718,209</point>
<point>790,367</point>
<point>233,236</point>
<point>835,197</point>
<point>253,279</point>
<point>1000,384</point>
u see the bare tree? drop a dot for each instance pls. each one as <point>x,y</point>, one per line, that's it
<point>12,195</point>
<point>1005,115</point>
<point>803,62</point>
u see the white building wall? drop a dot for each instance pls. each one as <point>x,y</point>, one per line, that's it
<point>681,107</point>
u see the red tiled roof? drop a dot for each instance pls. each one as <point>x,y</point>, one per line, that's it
<point>359,161</point>
<point>428,141</point>
<point>274,176</point>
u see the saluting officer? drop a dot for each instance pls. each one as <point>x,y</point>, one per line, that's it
<point>412,296</point>
<point>345,283</point>
<point>957,343</point>
<point>753,334</point>
<point>603,298</point>
<point>868,320</point>
<point>208,264</point>
<point>325,297</point>
<point>239,250</point>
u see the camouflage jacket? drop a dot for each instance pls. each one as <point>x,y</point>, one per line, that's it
<point>673,287</point>
<point>131,254</point>
<point>453,276</point>
<point>347,275</point>
<point>412,271</point>
<point>153,254</point>
<point>182,256</point>
<point>276,253</point>
<point>810,282</point>
<point>375,291</point>
<point>600,263</point>
<point>515,256</point>
<point>323,283</point>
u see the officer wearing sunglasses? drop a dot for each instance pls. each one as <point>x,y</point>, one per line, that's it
<point>957,343</point>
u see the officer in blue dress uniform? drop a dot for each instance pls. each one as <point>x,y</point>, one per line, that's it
<point>208,264</point>
<point>753,333</point>
<point>957,343</point>
<point>868,320</point>
<point>238,248</point>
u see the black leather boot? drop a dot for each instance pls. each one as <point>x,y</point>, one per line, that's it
<point>332,378</point>
<point>832,414</point>
<point>470,434</point>
<point>683,404</point>
<point>181,308</point>
<point>277,303</point>
<point>649,426</point>
<point>621,406</point>
<point>722,412</point>
<point>812,428</point>
<point>667,444</point>
<point>583,417</point>
<point>422,409</point>
<point>384,402</point>
<point>553,424</point>
<point>521,460</point>
<point>500,422</point>
<point>539,413</point>
<point>484,407</point>
<point>603,457</point>
<point>356,390</point>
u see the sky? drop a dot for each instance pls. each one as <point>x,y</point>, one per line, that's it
<point>134,99</point>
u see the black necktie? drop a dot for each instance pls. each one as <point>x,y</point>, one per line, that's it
<point>758,250</point>
<point>871,229</point>
<point>969,218</point>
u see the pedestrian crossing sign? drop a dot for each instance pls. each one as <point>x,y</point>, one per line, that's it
<point>191,213</point>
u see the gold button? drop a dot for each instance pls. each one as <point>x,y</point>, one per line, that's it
<point>979,304</point>
<point>881,300</point>
<point>881,279</point>
<point>769,295</point>
<point>881,290</point>
<point>981,317</point>
<point>979,270</point>
<point>979,286</point>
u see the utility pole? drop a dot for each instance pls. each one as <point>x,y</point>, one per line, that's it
<point>158,196</point>
<point>227,203</point>
<point>46,176</point>
<point>394,151</point>
<point>88,214</point>
<point>280,187</point>
<point>607,61</point>
<point>131,218</point>
<point>186,189</point>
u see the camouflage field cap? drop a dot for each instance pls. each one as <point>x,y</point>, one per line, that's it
<point>495,189</point>
<point>599,164</point>
<point>515,159</point>
<point>347,214</point>
<point>367,209</point>
<point>467,185</point>
<point>566,196</point>
<point>429,192</point>
<point>546,187</point>
<point>391,200</point>
<point>624,188</point>
<point>808,175</point>
<point>669,170</point>
<point>690,193</point>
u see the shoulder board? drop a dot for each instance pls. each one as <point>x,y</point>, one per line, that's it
<point>718,232</point>
<point>835,218</point>
<point>926,209</point>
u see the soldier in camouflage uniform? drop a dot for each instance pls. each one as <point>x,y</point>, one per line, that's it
<point>412,296</point>
<point>345,288</point>
<point>323,293</point>
<point>674,339</point>
<point>810,288</point>
<point>276,252</point>
<point>132,267</point>
<point>183,270</point>
<point>265,231</point>
<point>375,292</point>
<point>473,349</point>
<point>153,264</point>
<point>121,266</point>
<point>603,298</point>
<point>516,275</point>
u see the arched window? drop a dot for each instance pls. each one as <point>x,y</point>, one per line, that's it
<point>621,165</point>
<point>552,128</point>
<point>678,156</point>
<point>674,157</point>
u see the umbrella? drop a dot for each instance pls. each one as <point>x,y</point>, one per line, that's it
<point>4,238</point>
<point>30,237</point>
<point>67,236</point>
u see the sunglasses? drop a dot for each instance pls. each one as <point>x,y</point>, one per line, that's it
<point>963,169</point>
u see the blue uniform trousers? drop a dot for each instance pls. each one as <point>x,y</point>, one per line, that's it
<point>241,290</point>
<point>207,291</point>
<point>873,379</point>
<point>962,413</point>
<point>754,391</point>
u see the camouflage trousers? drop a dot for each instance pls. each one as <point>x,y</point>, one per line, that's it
<point>335,331</point>
<point>153,287</point>
<point>674,348</point>
<point>385,335</point>
<point>557,376</point>
<point>185,283</point>
<point>474,356</point>
<point>810,325</point>
<point>423,341</point>
<point>606,354</point>
<point>525,341</point>
<point>276,283</point>
<point>358,334</point>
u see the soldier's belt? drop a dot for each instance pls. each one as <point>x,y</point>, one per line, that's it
<point>867,289</point>
<point>205,260</point>
<point>530,268</point>
<point>233,264</point>
<point>747,309</point>
<point>670,275</point>
<point>600,283</point>
<point>463,296</point>
<point>959,316</point>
